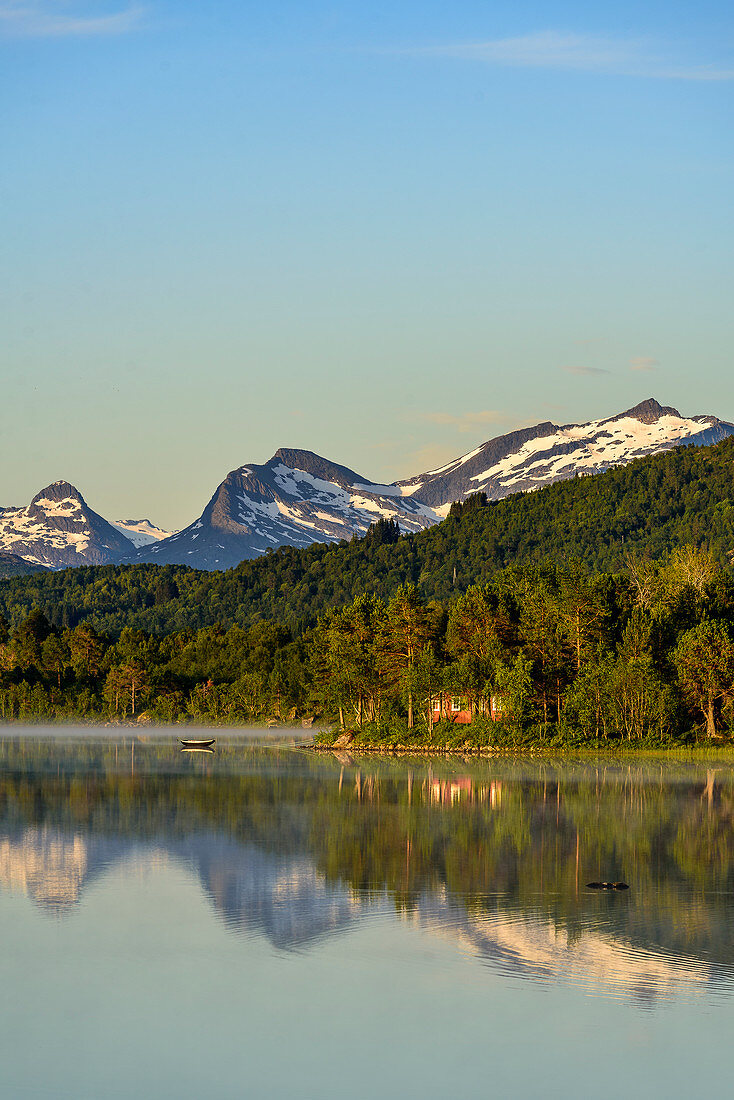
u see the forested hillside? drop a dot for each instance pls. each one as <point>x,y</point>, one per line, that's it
<point>680,497</point>
<point>11,565</point>
<point>547,652</point>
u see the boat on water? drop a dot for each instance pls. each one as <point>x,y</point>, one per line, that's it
<point>197,743</point>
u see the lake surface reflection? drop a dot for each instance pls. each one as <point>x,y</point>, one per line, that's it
<point>264,921</point>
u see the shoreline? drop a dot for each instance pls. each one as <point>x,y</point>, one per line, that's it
<point>307,740</point>
<point>533,750</point>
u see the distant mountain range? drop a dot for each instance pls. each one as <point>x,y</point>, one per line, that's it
<point>298,498</point>
<point>141,532</point>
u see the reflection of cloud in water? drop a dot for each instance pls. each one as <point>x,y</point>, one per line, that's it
<point>527,945</point>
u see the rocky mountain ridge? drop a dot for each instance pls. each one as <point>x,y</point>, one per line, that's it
<point>12,565</point>
<point>295,499</point>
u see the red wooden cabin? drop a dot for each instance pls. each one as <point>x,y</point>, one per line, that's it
<point>456,709</point>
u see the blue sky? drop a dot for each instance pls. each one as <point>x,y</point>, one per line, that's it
<point>384,232</point>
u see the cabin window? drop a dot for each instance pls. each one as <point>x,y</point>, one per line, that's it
<point>456,703</point>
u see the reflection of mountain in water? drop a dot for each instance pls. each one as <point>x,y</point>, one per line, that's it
<point>493,860</point>
<point>49,868</point>
<point>528,945</point>
<point>290,902</point>
<point>52,868</point>
<point>286,899</point>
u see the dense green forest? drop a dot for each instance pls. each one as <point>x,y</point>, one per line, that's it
<point>650,506</point>
<point>540,652</point>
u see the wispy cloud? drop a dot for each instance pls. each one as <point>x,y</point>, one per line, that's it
<point>464,422</point>
<point>644,363</point>
<point>584,370</point>
<point>429,457</point>
<point>589,53</point>
<point>57,19</point>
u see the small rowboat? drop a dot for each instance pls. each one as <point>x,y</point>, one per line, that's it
<point>196,743</point>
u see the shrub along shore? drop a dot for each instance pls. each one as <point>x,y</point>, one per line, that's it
<point>484,739</point>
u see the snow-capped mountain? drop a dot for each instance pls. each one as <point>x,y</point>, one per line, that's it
<point>533,457</point>
<point>141,532</point>
<point>298,498</point>
<point>295,499</point>
<point>59,529</point>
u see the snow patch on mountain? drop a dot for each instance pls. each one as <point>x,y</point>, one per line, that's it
<point>141,532</point>
<point>588,449</point>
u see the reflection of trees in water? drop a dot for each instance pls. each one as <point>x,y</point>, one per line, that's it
<point>535,846</point>
<point>495,853</point>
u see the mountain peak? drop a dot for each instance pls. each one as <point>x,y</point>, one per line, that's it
<point>59,529</point>
<point>59,490</point>
<point>648,412</point>
<point>315,465</point>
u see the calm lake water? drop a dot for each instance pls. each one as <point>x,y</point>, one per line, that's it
<point>264,922</point>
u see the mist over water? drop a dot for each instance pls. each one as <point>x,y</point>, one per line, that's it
<point>143,733</point>
<point>322,919</point>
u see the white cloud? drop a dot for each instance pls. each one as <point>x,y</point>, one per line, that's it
<point>643,363</point>
<point>465,422</point>
<point>56,19</point>
<point>584,370</point>
<point>606,54</point>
